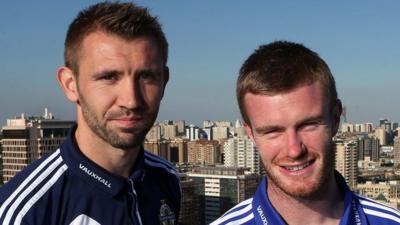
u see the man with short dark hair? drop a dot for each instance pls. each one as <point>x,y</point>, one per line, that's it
<point>115,71</point>
<point>288,101</point>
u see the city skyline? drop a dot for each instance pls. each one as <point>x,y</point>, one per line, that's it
<point>208,43</point>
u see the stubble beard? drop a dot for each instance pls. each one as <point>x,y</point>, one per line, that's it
<point>306,192</point>
<point>111,135</point>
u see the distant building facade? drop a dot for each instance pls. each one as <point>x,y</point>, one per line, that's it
<point>27,139</point>
<point>396,151</point>
<point>174,150</point>
<point>220,188</point>
<point>387,193</point>
<point>242,152</point>
<point>368,147</point>
<point>382,135</point>
<point>346,160</point>
<point>204,152</point>
<point>190,205</point>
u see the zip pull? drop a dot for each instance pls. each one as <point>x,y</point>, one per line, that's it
<point>135,199</point>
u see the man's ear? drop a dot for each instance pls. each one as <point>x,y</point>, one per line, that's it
<point>337,112</point>
<point>249,131</point>
<point>68,83</point>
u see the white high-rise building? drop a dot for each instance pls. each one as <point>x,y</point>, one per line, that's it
<point>347,128</point>
<point>208,123</point>
<point>381,134</point>
<point>346,161</point>
<point>219,133</point>
<point>170,131</point>
<point>180,126</point>
<point>221,188</point>
<point>192,133</point>
<point>369,127</point>
<point>222,123</point>
<point>242,152</point>
<point>396,151</point>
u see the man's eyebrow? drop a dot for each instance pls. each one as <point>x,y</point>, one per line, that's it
<point>267,128</point>
<point>318,118</point>
<point>102,73</point>
<point>149,71</point>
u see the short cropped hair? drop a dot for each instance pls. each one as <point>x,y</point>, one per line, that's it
<point>125,20</point>
<point>280,67</point>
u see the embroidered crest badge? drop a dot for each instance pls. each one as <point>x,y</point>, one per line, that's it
<point>167,216</point>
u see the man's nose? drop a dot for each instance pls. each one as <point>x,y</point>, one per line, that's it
<point>295,146</point>
<point>130,94</point>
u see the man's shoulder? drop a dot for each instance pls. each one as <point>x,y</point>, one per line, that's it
<point>378,213</point>
<point>159,164</point>
<point>36,172</point>
<point>23,191</point>
<point>242,213</point>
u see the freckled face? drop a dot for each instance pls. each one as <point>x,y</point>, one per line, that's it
<point>293,132</point>
<point>120,86</point>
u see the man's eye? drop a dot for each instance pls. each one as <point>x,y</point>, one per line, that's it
<point>109,77</point>
<point>269,134</point>
<point>310,126</point>
<point>149,76</point>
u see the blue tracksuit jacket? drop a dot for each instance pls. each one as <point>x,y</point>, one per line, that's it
<point>66,188</point>
<point>358,210</point>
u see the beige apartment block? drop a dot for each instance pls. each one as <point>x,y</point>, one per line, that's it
<point>27,139</point>
<point>204,152</point>
<point>387,193</point>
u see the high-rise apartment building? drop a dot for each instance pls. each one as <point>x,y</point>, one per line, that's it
<point>189,213</point>
<point>238,130</point>
<point>208,123</point>
<point>174,150</point>
<point>180,124</point>
<point>395,125</point>
<point>347,128</point>
<point>28,139</point>
<point>169,131</point>
<point>346,161</point>
<point>368,147</point>
<point>193,133</point>
<point>204,152</point>
<point>369,127</point>
<point>382,121</point>
<point>220,188</point>
<point>220,133</point>
<point>242,152</point>
<point>382,135</point>
<point>209,133</point>
<point>396,151</point>
<point>359,128</point>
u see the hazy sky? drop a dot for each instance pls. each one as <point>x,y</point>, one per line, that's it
<point>209,40</point>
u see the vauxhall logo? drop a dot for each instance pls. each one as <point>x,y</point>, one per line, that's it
<point>95,176</point>
<point>262,216</point>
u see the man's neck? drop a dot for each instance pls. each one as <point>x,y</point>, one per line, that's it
<point>115,161</point>
<point>327,209</point>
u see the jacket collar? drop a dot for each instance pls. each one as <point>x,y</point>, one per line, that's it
<point>92,173</point>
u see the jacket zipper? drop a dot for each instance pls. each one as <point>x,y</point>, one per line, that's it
<point>137,219</point>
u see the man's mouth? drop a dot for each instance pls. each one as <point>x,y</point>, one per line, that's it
<point>127,122</point>
<point>298,167</point>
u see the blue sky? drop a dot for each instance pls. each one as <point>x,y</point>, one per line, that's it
<point>209,40</point>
